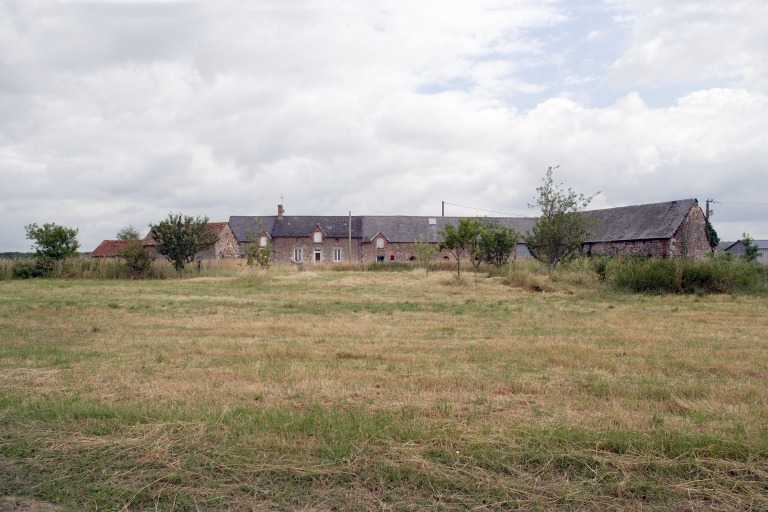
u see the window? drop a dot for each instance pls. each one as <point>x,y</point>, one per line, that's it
<point>380,242</point>
<point>318,238</point>
<point>297,254</point>
<point>391,257</point>
<point>380,259</point>
<point>263,241</point>
<point>337,255</point>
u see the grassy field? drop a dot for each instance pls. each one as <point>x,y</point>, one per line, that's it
<point>379,391</point>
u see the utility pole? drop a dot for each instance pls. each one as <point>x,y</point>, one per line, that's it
<point>708,213</point>
<point>443,209</point>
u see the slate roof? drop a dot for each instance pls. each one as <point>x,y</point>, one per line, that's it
<point>110,248</point>
<point>332,226</point>
<point>241,224</point>
<point>639,222</point>
<point>404,228</point>
<point>761,244</point>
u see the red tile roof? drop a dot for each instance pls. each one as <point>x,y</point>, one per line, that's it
<point>110,248</point>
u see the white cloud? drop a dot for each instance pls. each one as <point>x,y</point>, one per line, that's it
<point>696,40</point>
<point>118,114</point>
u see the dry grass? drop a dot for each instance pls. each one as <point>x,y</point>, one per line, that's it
<point>402,391</point>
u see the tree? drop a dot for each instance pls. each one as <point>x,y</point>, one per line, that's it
<point>497,243</point>
<point>254,251</point>
<point>712,237</point>
<point>562,228</point>
<point>751,249</point>
<point>53,242</point>
<point>137,258</point>
<point>129,233</point>
<point>425,252</point>
<point>180,237</point>
<point>457,240</point>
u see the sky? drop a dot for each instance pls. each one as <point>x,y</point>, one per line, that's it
<point>117,113</point>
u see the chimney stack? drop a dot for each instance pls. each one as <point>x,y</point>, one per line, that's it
<point>279,211</point>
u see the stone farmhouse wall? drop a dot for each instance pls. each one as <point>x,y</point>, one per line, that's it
<point>283,250</point>
<point>650,248</point>
<point>226,247</point>
<point>691,237</point>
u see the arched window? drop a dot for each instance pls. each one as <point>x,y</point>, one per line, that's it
<point>391,257</point>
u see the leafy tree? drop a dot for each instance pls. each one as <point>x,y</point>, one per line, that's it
<point>129,233</point>
<point>254,251</point>
<point>137,258</point>
<point>562,228</point>
<point>52,242</point>
<point>425,252</point>
<point>180,237</point>
<point>497,243</point>
<point>712,237</point>
<point>458,240</point>
<point>751,249</point>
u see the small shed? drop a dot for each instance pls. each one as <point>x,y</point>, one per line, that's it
<point>737,249</point>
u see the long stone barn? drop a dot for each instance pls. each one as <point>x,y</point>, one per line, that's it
<point>659,230</point>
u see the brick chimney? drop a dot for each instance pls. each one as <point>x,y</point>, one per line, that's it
<point>279,211</point>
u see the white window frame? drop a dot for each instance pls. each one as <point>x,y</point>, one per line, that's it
<point>337,255</point>
<point>317,237</point>
<point>297,254</point>
<point>380,242</point>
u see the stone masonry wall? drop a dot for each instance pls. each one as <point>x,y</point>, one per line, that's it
<point>283,250</point>
<point>691,237</point>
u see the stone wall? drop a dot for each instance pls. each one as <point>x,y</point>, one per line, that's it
<point>691,237</point>
<point>283,250</point>
<point>649,248</point>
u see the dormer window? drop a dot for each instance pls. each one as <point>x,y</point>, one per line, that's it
<point>380,242</point>
<point>263,241</point>
<point>317,237</point>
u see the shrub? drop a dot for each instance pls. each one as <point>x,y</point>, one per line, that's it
<point>28,269</point>
<point>715,275</point>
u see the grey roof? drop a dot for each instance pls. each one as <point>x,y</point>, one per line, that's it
<point>639,222</point>
<point>240,225</point>
<point>761,244</point>
<point>294,225</point>
<point>406,228</point>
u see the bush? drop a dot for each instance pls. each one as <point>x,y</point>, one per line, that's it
<point>716,275</point>
<point>28,269</point>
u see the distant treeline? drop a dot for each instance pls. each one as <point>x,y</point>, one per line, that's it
<point>27,255</point>
<point>16,255</point>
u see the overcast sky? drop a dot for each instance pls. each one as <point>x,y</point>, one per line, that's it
<point>119,112</point>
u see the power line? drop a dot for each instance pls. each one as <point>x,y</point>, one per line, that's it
<point>482,210</point>
<point>736,202</point>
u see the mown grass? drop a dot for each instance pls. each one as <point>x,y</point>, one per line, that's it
<point>253,390</point>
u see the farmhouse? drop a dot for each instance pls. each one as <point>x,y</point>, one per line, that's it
<point>660,230</point>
